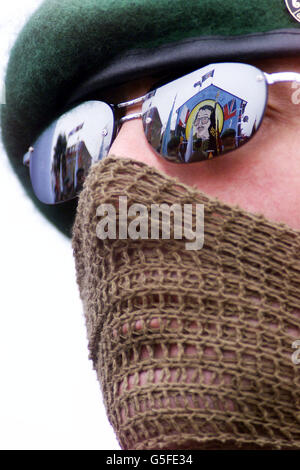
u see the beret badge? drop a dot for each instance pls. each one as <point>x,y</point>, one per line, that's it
<point>293,7</point>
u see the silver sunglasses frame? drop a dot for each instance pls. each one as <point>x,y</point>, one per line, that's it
<point>270,78</point>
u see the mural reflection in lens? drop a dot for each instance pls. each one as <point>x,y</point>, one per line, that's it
<point>208,113</point>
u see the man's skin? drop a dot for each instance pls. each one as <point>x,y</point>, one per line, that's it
<point>261,177</point>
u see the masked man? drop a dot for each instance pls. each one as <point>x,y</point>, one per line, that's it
<point>192,348</point>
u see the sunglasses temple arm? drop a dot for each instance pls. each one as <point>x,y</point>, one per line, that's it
<point>277,77</point>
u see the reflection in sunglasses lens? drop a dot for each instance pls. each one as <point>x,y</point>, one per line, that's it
<point>205,114</point>
<point>64,153</point>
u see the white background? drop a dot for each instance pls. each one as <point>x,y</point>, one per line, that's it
<point>49,394</point>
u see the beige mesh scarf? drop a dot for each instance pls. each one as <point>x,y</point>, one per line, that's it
<point>192,348</point>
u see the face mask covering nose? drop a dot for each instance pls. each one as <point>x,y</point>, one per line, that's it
<point>192,347</point>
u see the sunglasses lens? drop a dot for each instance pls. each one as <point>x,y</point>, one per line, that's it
<point>65,151</point>
<point>207,113</point>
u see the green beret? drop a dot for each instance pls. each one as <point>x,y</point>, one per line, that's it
<point>74,47</point>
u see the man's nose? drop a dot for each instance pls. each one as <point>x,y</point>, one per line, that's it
<point>131,142</point>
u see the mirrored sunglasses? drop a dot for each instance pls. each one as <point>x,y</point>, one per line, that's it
<point>200,116</point>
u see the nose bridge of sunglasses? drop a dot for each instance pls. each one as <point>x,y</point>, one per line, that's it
<point>134,105</point>
<point>136,102</point>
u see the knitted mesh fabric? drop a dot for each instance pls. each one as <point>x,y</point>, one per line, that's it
<point>192,348</point>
